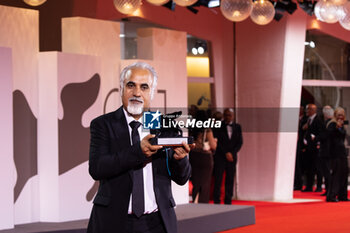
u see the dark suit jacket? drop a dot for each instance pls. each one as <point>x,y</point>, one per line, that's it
<point>336,141</point>
<point>111,162</point>
<point>301,132</point>
<point>226,144</point>
<point>325,141</point>
<point>316,128</point>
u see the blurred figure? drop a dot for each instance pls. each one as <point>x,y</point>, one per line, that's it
<point>225,159</point>
<point>217,115</point>
<point>312,130</point>
<point>201,159</point>
<point>298,175</point>
<point>339,163</point>
<point>192,111</point>
<point>324,155</point>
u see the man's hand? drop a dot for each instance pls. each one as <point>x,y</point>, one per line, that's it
<point>312,137</point>
<point>147,148</point>
<point>182,151</point>
<point>340,123</point>
<point>229,156</point>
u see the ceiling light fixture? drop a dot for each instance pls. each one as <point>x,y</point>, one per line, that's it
<point>34,2</point>
<point>127,6</point>
<point>236,10</point>
<point>345,19</point>
<point>263,12</point>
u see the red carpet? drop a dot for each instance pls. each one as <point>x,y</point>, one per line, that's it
<point>310,217</point>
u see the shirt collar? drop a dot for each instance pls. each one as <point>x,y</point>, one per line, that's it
<point>312,117</point>
<point>130,118</point>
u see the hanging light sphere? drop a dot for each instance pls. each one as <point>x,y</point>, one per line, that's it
<point>127,6</point>
<point>345,20</point>
<point>34,2</point>
<point>157,2</point>
<point>331,12</point>
<point>318,7</point>
<point>339,2</point>
<point>236,10</point>
<point>343,11</point>
<point>185,2</point>
<point>263,12</point>
<point>327,11</point>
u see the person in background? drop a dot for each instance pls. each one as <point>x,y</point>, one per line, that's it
<point>298,175</point>
<point>230,141</point>
<point>339,162</point>
<point>312,130</point>
<point>324,155</point>
<point>217,115</point>
<point>201,159</point>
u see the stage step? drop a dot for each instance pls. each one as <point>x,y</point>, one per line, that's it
<point>208,218</point>
<point>192,218</point>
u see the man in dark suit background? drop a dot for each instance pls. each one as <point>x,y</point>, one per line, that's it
<point>225,159</point>
<point>299,171</point>
<point>135,177</point>
<point>313,129</point>
<point>324,155</point>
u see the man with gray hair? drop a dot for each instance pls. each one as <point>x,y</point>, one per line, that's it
<point>328,113</point>
<point>135,176</point>
<point>312,128</point>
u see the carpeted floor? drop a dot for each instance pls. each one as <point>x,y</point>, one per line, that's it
<point>301,217</point>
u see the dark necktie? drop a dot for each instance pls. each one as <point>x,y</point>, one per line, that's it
<point>138,202</point>
<point>309,121</point>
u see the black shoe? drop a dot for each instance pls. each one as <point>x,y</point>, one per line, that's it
<point>324,194</point>
<point>332,200</point>
<point>318,190</point>
<point>344,199</point>
<point>297,188</point>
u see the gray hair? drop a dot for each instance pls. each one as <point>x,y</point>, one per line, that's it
<point>339,109</point>
<point>126,72</point>
<point>229,110</point>
<point>328,111</point>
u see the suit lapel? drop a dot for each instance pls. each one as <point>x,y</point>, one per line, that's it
<point>121,129</point>
<point>225,131</point>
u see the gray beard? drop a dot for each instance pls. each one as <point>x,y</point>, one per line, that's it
<point>135,109</point>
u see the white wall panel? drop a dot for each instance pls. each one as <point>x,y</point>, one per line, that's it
<point>7,169</point>
<point>66,82</point>
<point>19,30</point>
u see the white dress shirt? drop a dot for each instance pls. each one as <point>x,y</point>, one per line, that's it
<point>150,198</point>
<point>311,118</point>
<point>229,129</point>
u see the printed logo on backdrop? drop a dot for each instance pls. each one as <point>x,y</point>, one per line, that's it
<point>151,120</point>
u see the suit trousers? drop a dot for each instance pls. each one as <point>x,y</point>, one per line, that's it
<point>338,179</point>
<point>298,175</point>
<point>326,171</point>
<point>310,163</point>
<point>147,223</point>
<point>202,170</point>
<point>221,165</point>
